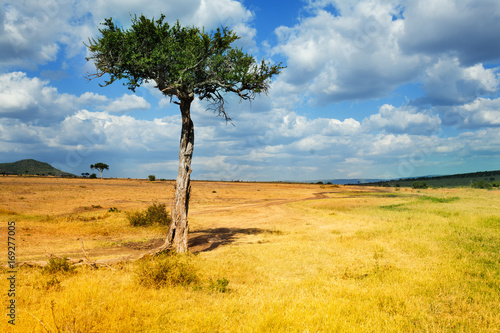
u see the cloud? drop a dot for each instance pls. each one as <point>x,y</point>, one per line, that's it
<point>123,133</point>
<point>33,100</point>
<point>354,56</point>
<point>405,119</point>
<point>357,50</point>
<point>467,29</point>
<point>482,112</point>
<point>293,125</point>
<point>127,103</point>
<point>34,32</point>
<point>448,83</point>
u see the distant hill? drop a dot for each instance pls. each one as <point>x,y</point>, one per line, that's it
<point>32,167</point>
<point>456,180</point>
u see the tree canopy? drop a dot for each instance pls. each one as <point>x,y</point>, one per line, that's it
<point>100,167</point>
<point>182,61</point>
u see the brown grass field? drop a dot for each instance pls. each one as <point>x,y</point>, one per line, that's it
<point>297,257</point>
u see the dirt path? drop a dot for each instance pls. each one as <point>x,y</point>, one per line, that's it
<point>258,204</point>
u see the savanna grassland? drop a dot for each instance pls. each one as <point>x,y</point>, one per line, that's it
<point>265,258</point>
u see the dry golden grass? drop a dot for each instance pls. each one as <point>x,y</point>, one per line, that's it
<point>299,258</point>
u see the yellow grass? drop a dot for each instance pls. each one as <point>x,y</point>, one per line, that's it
<point>299,258</point>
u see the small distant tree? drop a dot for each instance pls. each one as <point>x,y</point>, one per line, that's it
<point>93,176</point>
<point>152,178</point>
<point>183,62</point>
<point>420,185</point>
<point>99,167</point>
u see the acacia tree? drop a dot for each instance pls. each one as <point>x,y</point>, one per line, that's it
<point>184,62</point>
<point>99,167</point>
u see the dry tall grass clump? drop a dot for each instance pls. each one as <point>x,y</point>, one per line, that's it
<point>166,269</point>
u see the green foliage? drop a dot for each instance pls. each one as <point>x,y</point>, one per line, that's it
<point>93,176</point>
<point>395,207</point>
<point>167,269</point>
<point>219,285</point>
<point>481,184</point>
<point>58,265</point>
<point>99,167</point>
<point>419,185</point>
<point>152,178</point>
<point>156,214</point>
<point>438,200</point>
<point>182,61</point>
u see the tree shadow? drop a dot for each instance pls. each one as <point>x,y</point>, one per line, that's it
<point>210,239</point>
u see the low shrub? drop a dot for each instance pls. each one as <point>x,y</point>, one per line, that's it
<point>167,269</point>
<point>152,178</point>
<point>156,214</point>
<point>58,265</point>
<point>219,285</point>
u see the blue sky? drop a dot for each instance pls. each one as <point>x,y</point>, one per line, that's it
<point>372,89</point>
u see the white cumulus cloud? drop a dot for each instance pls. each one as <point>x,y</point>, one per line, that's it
<point>405,119</point>
<point>127,103</point>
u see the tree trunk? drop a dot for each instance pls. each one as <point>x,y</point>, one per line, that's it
<point>177,236</point>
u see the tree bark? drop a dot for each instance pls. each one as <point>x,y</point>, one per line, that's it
<point>177,236</point>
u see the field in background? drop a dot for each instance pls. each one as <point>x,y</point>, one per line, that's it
<point>298,258</point>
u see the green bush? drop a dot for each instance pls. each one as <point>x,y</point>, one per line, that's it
<point>152,178</point>
<point>419,184</point>
<point>219,285</point>
<point>156,214</point>
<point>167,269</point>
<point>58,265</point>
<point>93,176</point>
<point>481,184</point>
